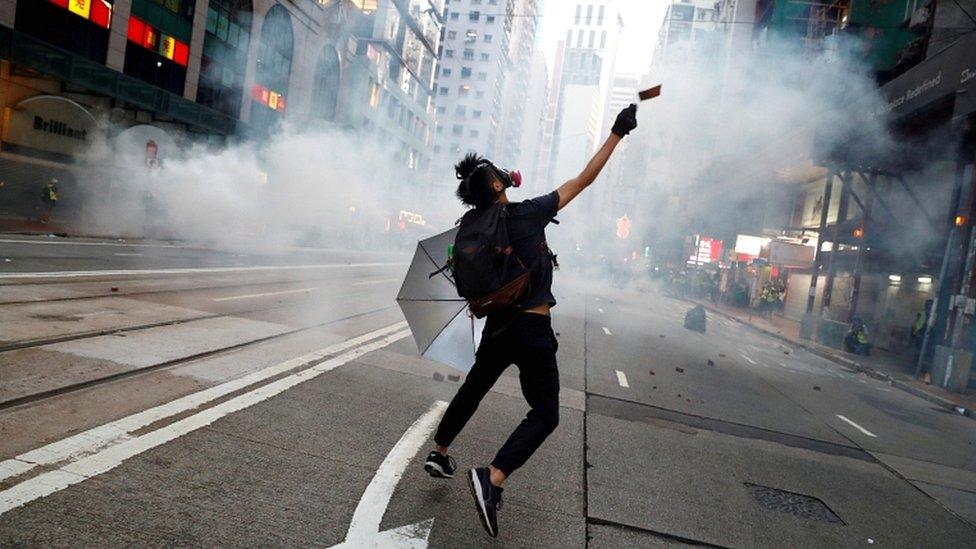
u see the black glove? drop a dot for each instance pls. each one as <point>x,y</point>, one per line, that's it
<point>626,121</point>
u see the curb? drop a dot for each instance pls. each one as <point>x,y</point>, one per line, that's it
<point>857,366</point>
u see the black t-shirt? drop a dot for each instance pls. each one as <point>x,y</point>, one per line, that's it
<point>527,221</point>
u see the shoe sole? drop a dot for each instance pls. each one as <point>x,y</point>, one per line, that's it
<point>435,470</point>
<point>479,501</point>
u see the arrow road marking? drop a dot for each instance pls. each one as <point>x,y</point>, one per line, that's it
<point>364,529</point>
<point>607,331</point>
<point>856,426</point>
<point>622,379</point>
<point>751,361</point>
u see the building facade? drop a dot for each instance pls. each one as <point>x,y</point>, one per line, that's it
<point>151,77</point>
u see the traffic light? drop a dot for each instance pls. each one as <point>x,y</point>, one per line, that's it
<point>647,251</point>
<point>859,233</point>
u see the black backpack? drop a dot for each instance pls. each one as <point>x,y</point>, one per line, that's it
<point>485,270</point>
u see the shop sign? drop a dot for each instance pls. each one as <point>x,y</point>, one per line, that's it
<point>707,250</point>
<point>749,247</point>
<point>966,95</point>
<point>412,218</point>
<point>789,254</point>
<point>152,39</point>
<point>268,97</point>
<point>96,11</point>
<point>949,72</point>
<point>680,22</point>
<point>48,124</point>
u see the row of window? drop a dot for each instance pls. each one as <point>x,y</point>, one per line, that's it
<point>591,43</point>
<point>473,16</point>
<point>589,14</point>
<point>467,55</point>
<point>463,91</point>
<point>465,73</point>
<point>470,37</point>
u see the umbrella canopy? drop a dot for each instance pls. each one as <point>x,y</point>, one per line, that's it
<point>442,327</point>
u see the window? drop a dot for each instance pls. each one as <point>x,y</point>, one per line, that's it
<point>475,2</point>
<point>465,72</point>
<point>578,9</point>
<point>443,90</point>
<point>448,53</point>
<point>599,16</point>
<point>471,36</point>
<point>474,16</point>
<point>440,129</point>
<point>452,34</point>
<point>460,110</point>
<point>579,39</point>
<point>474,133</point>
<point>458,129</point>
<point>454,16</point>
<point>476,114</point>
<point>485,57</point>
<point>569,38</point>
<point>592,39</point>
<point>487,39</point>
<point>441,110</point>
<point>489,19</point>
<point>445,72</point>
<point>589,14</point>
<point>482,76</point>
<point>468,54</point>
<point>603,39</point>
<point>479,95</point>
<point>463,91</point>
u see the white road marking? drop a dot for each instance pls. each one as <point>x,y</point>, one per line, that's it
<point>122,254</point>
<point>607,331</point>
<point>73,243</point>
<point>109,458</point>
<point>622,379</point>
<point>380,281</point>
<point>199,270</point>
<point>858,427</point>
<point>92,440</point>
<point>751,361</point>
<point>364,528</point>
<point>268,294</point>
<point>599,309</point>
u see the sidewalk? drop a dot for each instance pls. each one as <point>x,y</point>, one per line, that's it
<point>29,226</point>
<point>881,364</point>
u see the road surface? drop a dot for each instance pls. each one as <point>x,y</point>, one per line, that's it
<point>157,394</point>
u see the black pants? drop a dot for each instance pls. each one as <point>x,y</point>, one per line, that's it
<point>528,342</point>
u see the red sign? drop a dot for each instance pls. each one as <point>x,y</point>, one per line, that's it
<point>96,11</point>
<point>269,98</point>
<point>623,227</point>
<point>149,37</point>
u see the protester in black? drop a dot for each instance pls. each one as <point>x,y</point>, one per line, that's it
<point>522,336</point>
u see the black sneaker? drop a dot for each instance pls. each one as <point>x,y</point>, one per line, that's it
<point>487,498</point>
<point>440,466</point>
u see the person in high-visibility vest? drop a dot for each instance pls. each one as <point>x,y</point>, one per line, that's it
<point>856,341</point>
<point>49,198</point>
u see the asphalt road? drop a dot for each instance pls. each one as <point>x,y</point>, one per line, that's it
<point>153,394</point>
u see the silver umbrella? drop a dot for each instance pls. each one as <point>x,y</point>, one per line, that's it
<point>442,326</point>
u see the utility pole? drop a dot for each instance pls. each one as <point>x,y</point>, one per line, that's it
<point>807,327</point>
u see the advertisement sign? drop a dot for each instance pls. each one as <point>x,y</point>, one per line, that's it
<point>749,247</point>
<point>680,21</point>
<point>707,250</point>
<point>48,125</point>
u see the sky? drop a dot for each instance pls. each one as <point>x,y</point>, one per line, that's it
<point>642,20</point>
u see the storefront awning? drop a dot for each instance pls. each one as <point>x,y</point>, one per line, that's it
<point>950,72</point>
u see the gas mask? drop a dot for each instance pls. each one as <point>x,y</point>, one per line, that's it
<point>508,178</point>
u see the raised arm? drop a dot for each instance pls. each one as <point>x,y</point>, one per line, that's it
<point>626,121</point>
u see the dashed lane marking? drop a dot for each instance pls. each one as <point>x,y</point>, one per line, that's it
<point>599,309</point>
<point>88,442</point>
<point>364,528</point>
<point>607,331</point>
<point>751,361</point>
<point>122,254</point>
<point>622,379</point>
<point>856,426</point>
<point>380,281</point>
<point>267,294</point>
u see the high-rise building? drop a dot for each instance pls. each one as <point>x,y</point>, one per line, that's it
<point>535,130</point>
<point>585,59</point>
<point>471,78</point>
<point>509,139</point>
<point>688,28</point>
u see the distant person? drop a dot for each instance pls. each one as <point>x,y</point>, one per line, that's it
<point>49,199</point>
<point>856,341</point>
<point>917,333</point>
<point>520,334</point>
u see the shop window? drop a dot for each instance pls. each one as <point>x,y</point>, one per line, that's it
<point>273,70</point>
<point>326,95</point>
<point>79,27</point>
<point>224,57</point>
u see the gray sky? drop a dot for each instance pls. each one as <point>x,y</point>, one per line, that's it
<point>642,20</point>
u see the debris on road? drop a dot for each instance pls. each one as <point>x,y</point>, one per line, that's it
<point>114,289</point>
<point>816,387</point>
<point>453,377</point>
<point>438,376</point>
<point>651,372</point>
<point>679,370</point>
<point>711,362</point>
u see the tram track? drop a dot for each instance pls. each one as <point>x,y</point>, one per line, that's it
<point>43,395</point>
